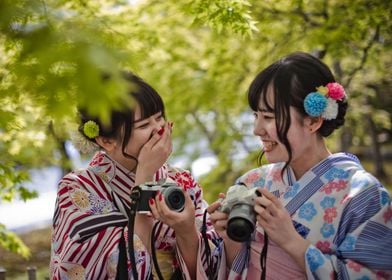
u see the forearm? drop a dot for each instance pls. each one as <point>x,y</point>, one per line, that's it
<point>296,248</point>
<point>232,249</point>
<point>188,245</point>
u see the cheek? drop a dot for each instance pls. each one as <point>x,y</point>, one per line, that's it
<point>143,136</point>
<point>271,130</point>
<point>297,137</point>
<point>139,138</point>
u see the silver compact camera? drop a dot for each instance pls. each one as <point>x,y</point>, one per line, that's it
<point>239,204</point>
<point>172,193</point>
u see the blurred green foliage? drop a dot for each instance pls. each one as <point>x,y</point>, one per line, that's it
<point>201,55</point>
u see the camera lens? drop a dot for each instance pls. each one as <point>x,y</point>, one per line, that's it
<point>241,223</point>
<point>174,198</point>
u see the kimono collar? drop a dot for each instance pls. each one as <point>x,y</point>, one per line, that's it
<point>107,168</point>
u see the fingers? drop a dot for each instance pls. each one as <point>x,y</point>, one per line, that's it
<point>162,212</point>
<point>153,208</point>
<point>270,197</point>
<point>213,207</point>
<point>164,141</point>
<point>152,142</point>
<point>220,225</point>
<point>222,195</point>
<point>162,136</point>
<point>267,205</point>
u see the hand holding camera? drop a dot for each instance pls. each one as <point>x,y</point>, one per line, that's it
<point>239,205</point>
<point>172,194</point>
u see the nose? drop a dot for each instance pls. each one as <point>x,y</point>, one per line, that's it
<point>158,125</point>
<point>258,128</point>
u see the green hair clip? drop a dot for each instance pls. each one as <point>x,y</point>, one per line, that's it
<point>91,129</point>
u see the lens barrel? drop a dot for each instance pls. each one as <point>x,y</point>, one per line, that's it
<point>174,198</point>
<point>241,222</point>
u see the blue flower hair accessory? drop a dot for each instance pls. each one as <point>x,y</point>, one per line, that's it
<point>323,102</point>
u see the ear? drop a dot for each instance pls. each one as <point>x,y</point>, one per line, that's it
<point>314,123</point>
<point>109,144</point>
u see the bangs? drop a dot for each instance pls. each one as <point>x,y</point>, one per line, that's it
<point>149,101</point>
<point>259,88</point>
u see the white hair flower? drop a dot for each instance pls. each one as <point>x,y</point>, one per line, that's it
<point>82,144</point>
<point>331,110</point>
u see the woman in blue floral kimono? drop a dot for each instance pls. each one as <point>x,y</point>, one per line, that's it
<point>90,223</point>
<point>325,216</point>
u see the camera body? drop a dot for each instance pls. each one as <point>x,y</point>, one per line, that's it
<point>172,193</point>
<point>239,204</point>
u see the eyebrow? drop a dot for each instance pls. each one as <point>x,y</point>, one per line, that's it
<point>264,110</point>
<point>142,119</point>
<point>139,120</point>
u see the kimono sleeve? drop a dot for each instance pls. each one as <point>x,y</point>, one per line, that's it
<point>363,251</point>
<point>86,232</point>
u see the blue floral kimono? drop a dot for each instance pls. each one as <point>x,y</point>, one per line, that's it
<point>340,208</point>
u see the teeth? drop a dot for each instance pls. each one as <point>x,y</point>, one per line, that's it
<point>268,145</point>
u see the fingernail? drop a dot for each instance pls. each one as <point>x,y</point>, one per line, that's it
<point>160,132</point>
<point>160,196</point>
<point>151,201</point>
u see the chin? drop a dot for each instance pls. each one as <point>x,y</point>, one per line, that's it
<point>275,156</point>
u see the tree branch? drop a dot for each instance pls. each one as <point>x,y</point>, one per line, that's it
<point>364,57</point>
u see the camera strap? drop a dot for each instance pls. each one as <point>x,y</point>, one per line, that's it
<point>177,274</point>
<point>153,252</point>
<point>263,258</point>
<point>135,196</point>
<point>207,246</point>
<point>122,268</point>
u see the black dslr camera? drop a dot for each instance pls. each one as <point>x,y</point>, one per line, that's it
<point>239,203</point>
<point>172,193</point>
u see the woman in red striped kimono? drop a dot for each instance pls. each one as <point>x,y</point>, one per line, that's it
<point>90,223</point>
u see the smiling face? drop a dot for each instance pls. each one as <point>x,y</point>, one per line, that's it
<point>265,127</point>
<point>307,148</point>
<point>276,95</point>
<point>142,131</point>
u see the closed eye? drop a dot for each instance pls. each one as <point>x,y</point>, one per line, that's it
<point>144,125</point>
<point>159,117</point>
<point>268,116</point>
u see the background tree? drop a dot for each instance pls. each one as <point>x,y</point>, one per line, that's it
<point>201,55</point>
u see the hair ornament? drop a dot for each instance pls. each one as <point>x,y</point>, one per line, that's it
<point>82,144</point>
<point>323,102</point>
<point>91,129</point>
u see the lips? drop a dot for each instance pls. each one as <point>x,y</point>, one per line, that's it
<point>269,145</point>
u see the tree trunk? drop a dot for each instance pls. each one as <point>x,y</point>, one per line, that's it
<point>378,164</point>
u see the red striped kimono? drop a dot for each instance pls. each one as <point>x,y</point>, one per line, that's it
<point>91,216</point>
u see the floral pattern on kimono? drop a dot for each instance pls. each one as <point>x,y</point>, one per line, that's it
<point>91,218</point>
<point>342,210</point>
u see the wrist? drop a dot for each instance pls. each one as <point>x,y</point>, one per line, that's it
<point>185,235</point>
<point>142,179</point>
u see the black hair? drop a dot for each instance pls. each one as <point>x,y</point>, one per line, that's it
<point>291,79</point>
<point>121,122</point>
